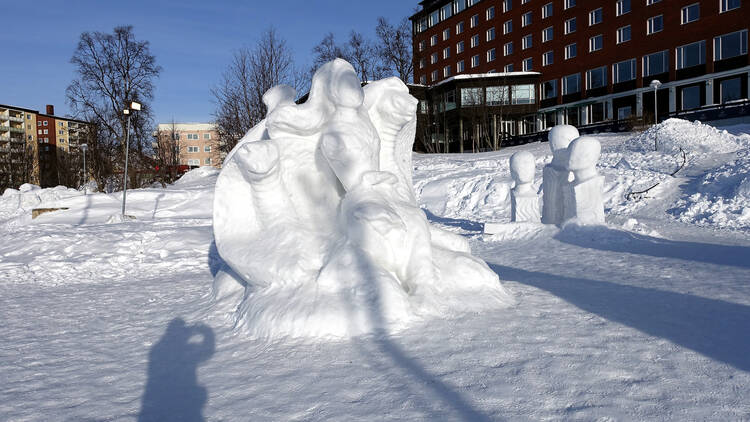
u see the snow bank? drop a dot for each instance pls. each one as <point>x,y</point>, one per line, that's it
<point>15,204</point>
<point>195,178</point>
<point>696,137</point>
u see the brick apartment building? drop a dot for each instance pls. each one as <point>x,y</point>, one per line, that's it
<point>190,145</point>
<point>39,148</point>
<point>588,62</point>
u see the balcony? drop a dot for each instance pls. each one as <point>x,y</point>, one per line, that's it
<point>16,119</point>
<point>16,129</point>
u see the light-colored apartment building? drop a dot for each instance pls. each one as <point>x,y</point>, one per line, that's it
<point>196,144</point>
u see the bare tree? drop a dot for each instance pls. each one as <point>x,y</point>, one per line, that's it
<point>395,47</point>
<point>328,50</point>
<point>252,72</point>
<point>167,152</point>
<point>111,70</point>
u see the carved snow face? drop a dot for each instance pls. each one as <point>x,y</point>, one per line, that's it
<point>584,153</point>
<point>398,107</point>
<point>522,167</point>
<point>560,137</point>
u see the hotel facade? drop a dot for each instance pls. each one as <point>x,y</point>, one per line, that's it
<point>580,62</point>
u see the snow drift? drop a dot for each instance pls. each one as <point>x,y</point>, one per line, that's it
<point>316,217</point>
<point>673,134</point>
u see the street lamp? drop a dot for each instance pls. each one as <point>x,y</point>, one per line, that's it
<point>134,106</point>
<point>655,84</point>
<point>83,148</point>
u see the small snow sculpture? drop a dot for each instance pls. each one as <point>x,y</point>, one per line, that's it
<point>524,201</point>
<point>555,175</point>
<point>584,197</point>
<point>316,217</point>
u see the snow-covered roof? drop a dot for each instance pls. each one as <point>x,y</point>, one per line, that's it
<point>187,126</point>
<point>486,75</point>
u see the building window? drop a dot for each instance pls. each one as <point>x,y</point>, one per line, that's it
<point>207,161</point>
<point>423,79</point>
<point>546,10</point>
<point>656,63</point>
<point>46,132</point>
<point>194,162</point>
<point>433,60</point>
<point>28,116</point>
<point>446,34</point>
<point>650,2</point>
<point>474,41</point>
<point>491,55</point>
<point>207,148</point>
<point>623,34</point>
<point>730,90</point>
<point>458,6</point>
<point>569,3</point>
<point>422,45</point>
<point>525,1</point>
<point>60,132</point>
<point>459,47</point>
<point>62,141</point>
<point>549,89</point>
<point>490,13</point>
<point>474,21</point>
<point>422,63</point>
<point>446,71</point>
<point>547,34</point>
<point>450,100</point>
<point>497,95</point>
<point>691,55</point>
<point>623,71</point>
<point>570,25</point>
<point>690,13</point>
<point>727,5</point>
<point>459,27</point>
<point>730,45</point>
<point>433,40</point>
<point>176,136</point>
<point>45,123</point>
<point>460,66</point>
<point>548,58</point>
<point>526,42</point>
<point>39,123</point>
<point>654,24</point>
<point>526,19</point>
<point>691,97</point>
<point>475,60</point>
<point>596,78</point>
<point>507,5</point>
<point>193,149</point>
<point>523,94</point>
<point>622,7</point>
<point>206,136</point>
<point>596,42</point>
<point>571,51</point>
<point>471,96</point>
<point>434,76</point>
<point>508,68</point>
<point>527,65</point>
<point>595,16</point>
<point>491,34</point>
<point>508,49</point>
<point>571,84</point>
<point>446,52</point>
<point>508,27</point>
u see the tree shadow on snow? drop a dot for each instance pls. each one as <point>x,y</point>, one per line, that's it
<point>607,239</point>
<point>714,328</point>
<point>468,225</point>
<point>172,391</point>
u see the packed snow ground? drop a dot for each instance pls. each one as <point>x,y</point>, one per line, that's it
<point>645,319</point>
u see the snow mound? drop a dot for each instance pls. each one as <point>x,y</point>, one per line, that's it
<point>200,177</point>
<point>696,137</point>
<point>17,202</point>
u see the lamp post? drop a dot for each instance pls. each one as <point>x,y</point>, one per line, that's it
<point>83,148</point>
<point>134,106</point>
<point>655,84</point>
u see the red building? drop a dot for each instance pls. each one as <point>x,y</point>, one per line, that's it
<point>596,59</point>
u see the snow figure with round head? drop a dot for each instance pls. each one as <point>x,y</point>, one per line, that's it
<point>524,201</point>
<point>555,176</point>
<point>317,221</point>
<point>584,197</point>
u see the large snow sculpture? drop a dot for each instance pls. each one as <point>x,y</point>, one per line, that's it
<point>555,175</point>
<point>584,196</point>
<point>316,216</point>
<point>524,202</point>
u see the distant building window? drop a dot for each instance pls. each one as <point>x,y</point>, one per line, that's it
<point>527,65</point>
<point>548,58</point>
<point>446,52</point>
<point>623,34</point>
<point>39,123</point>
<point>526,19</point>
<point>623,71</point>
<point>595,16</point>
<point>691,97</point>
<point>39,132</point>
<point>730,45</point>
<point>570,25</point>
<point>571,84</point>
<point>569,3</point>
<point>690,13</point>
<point>446,34</point>
<point>596,78</point>
<point>433,60</point>
<point>475,60</point>
<point>62,141</point>
<point>549,89</point>
<point>433,40</point>
<point>526,42</point>
<point>727,5</point>
<point>434,76</point>
<point>460,67</point>
<point>650,2</point>
<point>176,136</point>
<point>474,41</point>
<point>459,47</point>
<point>207,148</point>
<point>207,161</point>
<point>622,7</point>
<point>596,43</point>
<point>571,51</point>
<point>60,124</point>
<point>60,132</point>
<point>497,95</point>
<point>691,55</point>
<point>194,162</point>
<point>423,79</point>
<point>490,13</point>
<point>654,24</point>
<point>656,63</point>
<point>421,45</point>
<point>193,149</point>
<point>508,49</point>
<point>507,5</point>
<point>523,94</point>
<point>471,96</point>
<point>547,10</point>
<point>547,34</point>
<point>491,34</point>
<point>446,71</point>
<point>46,132</point>
<point>508,68</point>
<point>508,27</point>
<point>459,27</point>
<point>491,55</point>
<point>28,117</point>
<point>730,90</point>
<point>45,123</point>
<point>474,21</point>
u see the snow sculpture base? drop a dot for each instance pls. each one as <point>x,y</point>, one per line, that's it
<point>554,183</point>
<point>316,219</point>
<point>584,201</point>
<point>524,208</point>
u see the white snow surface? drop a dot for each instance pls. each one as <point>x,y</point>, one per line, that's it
<point>644,319</point>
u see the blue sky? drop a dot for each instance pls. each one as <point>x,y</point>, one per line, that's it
<point>192,40</point>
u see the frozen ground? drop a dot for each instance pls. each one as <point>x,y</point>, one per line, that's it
<point>646,319</point>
